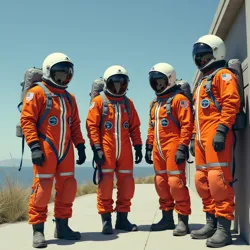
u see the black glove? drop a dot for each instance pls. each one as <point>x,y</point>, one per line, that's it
<point>37,155</point>
<point>148,155</point>
<point>81,154</point>
<point>181,154</point>
<point>192,143</point>
<point>98,155</point>
<point>220,138</point>
<point>138,153</point>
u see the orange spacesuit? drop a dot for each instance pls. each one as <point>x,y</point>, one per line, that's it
<point>111,135</point>
<point>51,125</point>
<point>169,144</point>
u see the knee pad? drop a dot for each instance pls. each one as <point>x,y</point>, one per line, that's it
<point>105,188</point>
<point>161,186</point>
<point>217,184</point>
<point>201,183</point>
<point>177,188</point>
<point>126,186</point>
<point>68,193</point>
<point>42,193</point>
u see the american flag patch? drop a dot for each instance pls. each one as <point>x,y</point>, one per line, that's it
<point>29,96</point>
<point>184,104</point>
<point>226,77</point>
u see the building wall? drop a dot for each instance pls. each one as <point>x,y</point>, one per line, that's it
<point>237,41</point>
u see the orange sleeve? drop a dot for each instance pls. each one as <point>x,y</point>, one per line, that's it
<point>33,103</point>
<point>229,95</point>
<point>185,118</point>
<point>76,133</point>
<point>93,120</point>
<point>150,136</point>
<point>134,126</point>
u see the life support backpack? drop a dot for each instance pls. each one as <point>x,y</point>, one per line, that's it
<point>33,77</point>
<point>184,89</point>
<point>234,65</point>
<point>97,89</point>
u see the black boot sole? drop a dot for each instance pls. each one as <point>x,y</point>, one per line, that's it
<point>152,228</point>
<point>39,245</point>
<point>219,245</point>
<point>181,233</point>
<point>203,237</point>
<point>107,232</point>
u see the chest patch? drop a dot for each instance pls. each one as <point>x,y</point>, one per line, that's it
<point>108,125</point>
<point>205,103</point>
<point>164,122</point>
<point>53,121</point>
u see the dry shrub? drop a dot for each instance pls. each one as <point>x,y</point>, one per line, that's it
<point>14,200</point>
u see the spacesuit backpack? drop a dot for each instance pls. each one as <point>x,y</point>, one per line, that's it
<point>31,77</point>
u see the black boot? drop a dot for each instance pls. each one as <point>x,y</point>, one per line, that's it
<point>222,236</point>
<point>208,230</point>
<point>38,236</point>
<point>182,227</point>
<point>123,223</point>
<point>167,222</point>
<point>106,223</point>
<point>63,231</point>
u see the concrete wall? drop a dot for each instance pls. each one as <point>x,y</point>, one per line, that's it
<point>237,41</point>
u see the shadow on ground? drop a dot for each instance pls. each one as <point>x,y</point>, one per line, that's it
<point>88,236</point>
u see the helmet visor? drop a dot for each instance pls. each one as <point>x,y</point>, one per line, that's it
<point>117,85</point>
<point>62,73</point>
<point>202,54</point>
<point>158,82</point>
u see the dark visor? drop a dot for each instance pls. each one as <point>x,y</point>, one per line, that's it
<point>158,81</point>
<point>117,84</point>
<point>202,54</point>
<point>62,73</point>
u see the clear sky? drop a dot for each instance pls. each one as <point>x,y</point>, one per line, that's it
<point>95,34</point>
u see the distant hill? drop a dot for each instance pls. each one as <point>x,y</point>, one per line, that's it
<point>14,162</point>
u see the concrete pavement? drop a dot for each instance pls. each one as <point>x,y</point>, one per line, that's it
<point>86,220</point>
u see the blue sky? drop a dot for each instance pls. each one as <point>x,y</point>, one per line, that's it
<point>95,35</point>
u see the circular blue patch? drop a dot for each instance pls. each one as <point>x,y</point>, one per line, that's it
<point>126,125</point>
<point>70,121</point>
<point>53,121</point>
<point>152,124</point>
<point>164,122</point>
<point>108,125</point>
<point>205,103</point>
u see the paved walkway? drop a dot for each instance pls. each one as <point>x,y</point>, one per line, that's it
<point>87,221</point>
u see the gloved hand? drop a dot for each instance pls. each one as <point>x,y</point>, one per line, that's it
<point>81,153</point>
<point>220,138</point>
<point>148,155</point>
<point>181,154</point>
<point>138,153</point>
<point>192,143</point>
<point>98,155</point>
<point>37,155</point>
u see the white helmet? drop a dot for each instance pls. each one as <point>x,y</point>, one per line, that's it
<point>58,69</point>
<point>162,76</point>
<point>116,80</point>
<point>207,50</point>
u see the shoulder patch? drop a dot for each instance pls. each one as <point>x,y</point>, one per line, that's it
<point>29,96</point>
<point>226,77</point>
<point>92,105</point>
<point>184,104</point>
